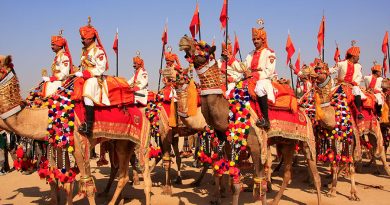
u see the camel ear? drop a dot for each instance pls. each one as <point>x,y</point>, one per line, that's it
<point>212,50</point>
<point>7,61</point>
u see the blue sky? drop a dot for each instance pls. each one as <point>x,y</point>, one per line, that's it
<point>28,25</point>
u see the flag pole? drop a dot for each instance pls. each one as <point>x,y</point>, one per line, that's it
<point>226,43</point>
<point>117,54</point>
<point>161,62</point>
<point>323,39</point>
<point>291,73</point>
<point>388,59</point>
<point>239,50</point>
<point>200,37</point>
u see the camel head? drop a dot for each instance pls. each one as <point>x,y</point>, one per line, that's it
<point>386,84</point>
<point>322,72</point>
<point>5,65</point>
<point>199,53</point>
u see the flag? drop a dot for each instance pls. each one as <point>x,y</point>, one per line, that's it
<point>385,47</point>
<point>385,44</point>
<point>336,57</point>
<point>289,48</point>
<point>223,16</point>
<point>298,63</point>
<point>115,45</point>
<point>321,35</point>
<point>236,45</point>
<point>164,37</point>
<point>195,22</point>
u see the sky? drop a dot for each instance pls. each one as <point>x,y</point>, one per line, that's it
<point>28,25</point>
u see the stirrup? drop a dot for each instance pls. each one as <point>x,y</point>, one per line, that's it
<point>360,116</point>
<point>85,130</point>
<point>262,123</point>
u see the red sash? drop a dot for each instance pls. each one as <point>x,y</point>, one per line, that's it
<point>350,71</point>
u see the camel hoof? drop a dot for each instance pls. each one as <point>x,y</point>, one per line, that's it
<point>136,182</point>
<point>331,195</point>
<point>377,172</point>
<point>195,183</point>
<point>167,190</point>
<point>216,202</point>
<point>354,197</point>
<point>178,180</point>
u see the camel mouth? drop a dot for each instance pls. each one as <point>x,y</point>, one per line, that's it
<point>184,47</point>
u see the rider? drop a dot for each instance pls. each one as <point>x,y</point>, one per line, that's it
<point>373,83</point>
<point>61,66</point>
<point>93,63</point>
<point>261,61</point>
<point>170,71</point>
<point>139,82</point>
<point>350,72</point>
<point>234,70</point>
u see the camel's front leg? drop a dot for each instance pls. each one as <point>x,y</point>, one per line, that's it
<point>335,170</point>
<point>124,150</point>
<point>354,196</point>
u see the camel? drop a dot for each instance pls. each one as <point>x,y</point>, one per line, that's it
<point>32,123</point>
<point>328,122</point>
<point>215,109</point>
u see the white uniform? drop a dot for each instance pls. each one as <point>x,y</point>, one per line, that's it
<point>262,64</point>
<point>349,73</point>
<point>60,70</point>
<point>234,72</point>
<point>375,84</point>
<point>94,64</point>
<point>140,82</point>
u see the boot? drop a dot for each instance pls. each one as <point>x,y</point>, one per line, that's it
<point>358,104</point>
<point>378,110</point>
<point>86,127</point>
<point>263,103</point>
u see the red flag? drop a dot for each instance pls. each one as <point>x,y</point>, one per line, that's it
<point>164,37</point>
<point>336,57</point>
<point>195,22</point>
<point>236,45</point>
<point>223,16</point>
<point>385,47</point>
<point>289,48</point>
<point>115,45</point>
<point>385,44</point>
<point>321,35</point>
<point>298,63</point>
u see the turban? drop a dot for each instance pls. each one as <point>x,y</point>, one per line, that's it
<point>260,33</point>
<point>376,67</point>
<point>354,51</point>
<point>58,40</point>
<point>138,60</point>
<point>172,57</point>
<point>229,47</point>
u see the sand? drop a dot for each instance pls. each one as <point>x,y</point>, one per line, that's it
<point>16,188</point>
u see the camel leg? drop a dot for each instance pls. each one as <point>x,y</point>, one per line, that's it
<point>135,171</point>
<point>197,182</point>
<point>217,193</point>
<point>167,142</point>
<point>114,169</point>
<point>82,160</point>
<point>332,190</point>
<point>354,196</point>
<point>69,192</point>
<point>54,196</point>
<point>175,145</point>
<point>384,162</point>
<point>147,179</point>
<point>313,171</point>
<point>269,170</point>
<point>288,152</point>
<point>124,150</point>
<point>259,191</point>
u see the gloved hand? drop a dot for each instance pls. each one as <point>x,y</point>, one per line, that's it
<point>45,78</point>
<point>78,74</point>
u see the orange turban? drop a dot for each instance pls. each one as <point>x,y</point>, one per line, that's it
<point>138,60</point>
<point>88,32</point>
<point>376,67</point>
<point>229,47</point>
<point>260,33</point>
<point>172,57</point>
<point>58,40</point>
<point>354,51</point>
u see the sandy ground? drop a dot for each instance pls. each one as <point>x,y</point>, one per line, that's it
<point>16,188</point>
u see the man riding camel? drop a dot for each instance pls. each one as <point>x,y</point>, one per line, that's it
<point>373,84</point>
<point>139,82</point>
<point>261,61</point>
<point>234,70</point>
<point>61,66</point>
<point>349,71</point>
<point>93,64</point>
